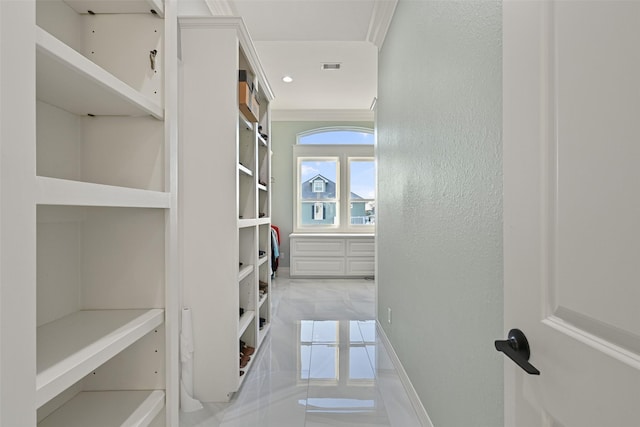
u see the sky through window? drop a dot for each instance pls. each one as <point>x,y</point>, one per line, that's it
<point>333,137</point>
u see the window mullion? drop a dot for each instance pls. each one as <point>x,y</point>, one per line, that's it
<point>345,195</point>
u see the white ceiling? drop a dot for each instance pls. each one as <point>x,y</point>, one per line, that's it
<point>294,37</point>
<point>306,20</point>
<point>351,87</point>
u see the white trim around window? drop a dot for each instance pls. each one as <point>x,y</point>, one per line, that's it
<point>368,134</point>
<point>342,154</point>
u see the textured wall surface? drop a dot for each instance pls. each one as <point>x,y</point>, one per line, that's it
<point>440,204</point>
<point>283,138</point>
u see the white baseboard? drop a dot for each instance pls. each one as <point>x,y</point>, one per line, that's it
<point>404,378</point>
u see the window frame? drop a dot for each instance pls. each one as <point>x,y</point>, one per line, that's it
<point>344,153</point>
<point>349,200</point>
<point>328,129</point>
<point>299,200</point>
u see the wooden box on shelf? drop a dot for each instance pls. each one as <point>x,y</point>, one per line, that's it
<point>248,102</point>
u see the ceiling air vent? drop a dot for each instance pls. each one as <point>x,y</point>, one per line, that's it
<point>331,66</point>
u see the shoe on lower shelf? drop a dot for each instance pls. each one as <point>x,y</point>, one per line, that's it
<point>245,349</point>
<point>244,360</point>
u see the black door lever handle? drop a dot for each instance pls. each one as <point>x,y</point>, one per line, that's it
<point>516,347</point>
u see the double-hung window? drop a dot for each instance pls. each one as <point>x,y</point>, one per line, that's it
<point>362,199</point>
<point>318,193</point>
<point>335,181</point>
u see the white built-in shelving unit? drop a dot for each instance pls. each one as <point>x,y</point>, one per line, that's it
<point>225,202</point>
<point>90,299</point>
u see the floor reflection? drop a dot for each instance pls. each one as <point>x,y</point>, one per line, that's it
<point>320,365</point>
<point>337,406</point>
<point>336,354</point>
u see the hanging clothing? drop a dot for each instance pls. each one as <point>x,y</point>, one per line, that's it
<point>275,248</point>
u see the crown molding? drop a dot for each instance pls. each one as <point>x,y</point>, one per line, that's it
<point>221,7</point>
<point>381,17</point>
<point>322,115</point>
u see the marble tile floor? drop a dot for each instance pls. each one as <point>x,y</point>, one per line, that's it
<point>322,364</point>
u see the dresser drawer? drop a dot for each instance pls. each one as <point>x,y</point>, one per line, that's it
<point>360,266</point>
<point>317,266</point>
<point>361,247</point>
<point>317,247</point>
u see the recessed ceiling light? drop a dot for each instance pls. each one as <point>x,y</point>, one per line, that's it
<point>287,79</point>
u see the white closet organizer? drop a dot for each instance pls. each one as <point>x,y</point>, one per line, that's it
<point>105,228</point>
<point>225,204</point>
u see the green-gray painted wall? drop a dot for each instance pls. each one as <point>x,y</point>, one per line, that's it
<point>439,226</point>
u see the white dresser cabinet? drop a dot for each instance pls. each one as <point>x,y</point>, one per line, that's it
<point>332,255</point>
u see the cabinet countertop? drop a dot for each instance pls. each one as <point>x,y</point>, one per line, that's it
<point>333,235</point>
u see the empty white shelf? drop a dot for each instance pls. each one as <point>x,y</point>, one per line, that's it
<point>108,408</point>
<point>244,122</point>
<point>262,187</point>
<point>245,170</point>
<point>244,272</point>
<point>263,333</point>
<point>263,298</point>
<point>110,6</point>
<point>262,260</point>
<point>54,191</point>
<point>243,223</point>
<point>245,321</point>
<point>73,346</point>
<point>68,80</point>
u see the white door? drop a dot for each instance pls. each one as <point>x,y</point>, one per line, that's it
<point>572,210</point>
